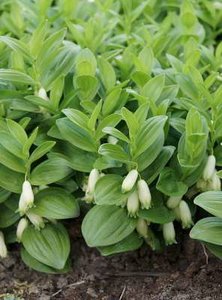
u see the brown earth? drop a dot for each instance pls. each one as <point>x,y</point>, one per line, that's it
<point>182,272</point>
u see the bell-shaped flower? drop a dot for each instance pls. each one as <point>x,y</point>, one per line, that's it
<point>129,181</point>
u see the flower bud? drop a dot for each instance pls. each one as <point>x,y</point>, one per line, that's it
<point>209,167</point>
<point>173,201</point>
<point>185,214</point>
<point>202,185</point>
<point>112,140</point>
<point>133,204</point>
<point>169,233</point>
<point>215,183</point>
<point>27,197</point>
<point>3,248</point>
<point>42,94</point>
<point>129,181</point>
<point>93,177</point>
<point>22,225</point>
<point>88,197</point>
<point>142,228</point>
<point>36,220</point>
<point>144,194</point>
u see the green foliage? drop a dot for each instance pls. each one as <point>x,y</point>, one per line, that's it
<point>115,103</point>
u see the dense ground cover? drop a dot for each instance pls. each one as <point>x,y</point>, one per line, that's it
<point>112,110</point>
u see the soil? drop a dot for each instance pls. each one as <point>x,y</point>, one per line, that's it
<point>184,271</point>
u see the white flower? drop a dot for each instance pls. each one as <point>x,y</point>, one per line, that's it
<point>22,225</point>
<point>133,204</point>
<point>173,201</point>
<point>185,214</point>
<point>36,220</point>
<point>209,167</point>
<point>144,194</point>
<point>3,248</point>
<point>27,197</point>
<point>202,185</point>
<point>142,228</point>
<point>129,181</point>
<point>93,177</point>
<point>169,233</point>
<point>112,140</point>
<point>215,183</point>
<point>42,94</point>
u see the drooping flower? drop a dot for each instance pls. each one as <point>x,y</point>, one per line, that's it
<point>22,225</point>
<point>185,214</point>
<point>42,94</point>
<point>144,194</point>
<point>209,167</point>
<point>133,204</point>
<point>142,227</point>
<point>93,177</point>
<point>3,248</point>
<point>36,220</point>
<point>27,197</point>
<point>169,233</point>
<point>173,201</point>
<point>129,181</point>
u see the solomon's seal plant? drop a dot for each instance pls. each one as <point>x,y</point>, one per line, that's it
<point>112,109</point>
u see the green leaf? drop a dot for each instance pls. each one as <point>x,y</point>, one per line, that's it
<point>116,133</point>
<point>37,38</point>
<point>208,230</point>
<point>148,133</point>
<point>131,122</point>
<point>187,86</point>
<point>36,265</point>
<point>49,171</point>
<point>215,249</point>
<point>41,150</point>
<point>159,215</point>
<point>30,141</point>
<point>4,195</point>
<point>55,203</point>
<point>170,184</point>
<point>11,144</point>
<point>10,180</point>
<point>76,135</point>
<point>150,154</point>
<point>50,246</point>
<point>85,63</point>
<point>145,59</point>
<point>106,225</point>
<point>11,161</point>
<point>108,191</point>
<point>77,159</point>
<point>111,120</point>
<point>130,243</point>
<point>111,101</point>
<point>87,87</point>
<point>38,101</point>
<point>158,164</point>
<point>95,114</point>
<point>17,46</point>
<point>17,131</point>
<point>210,201</point>
<point>115,152</point>
<point>107,73</point>
<point>153,88</point>
<point>7,216</point>
<point>15,76</point>
<point>61,65</point>
<point>77,117</point>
